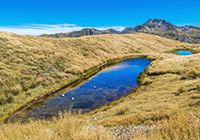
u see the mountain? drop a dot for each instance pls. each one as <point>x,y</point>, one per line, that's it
<point>83,32</point>
<point>187,34</point>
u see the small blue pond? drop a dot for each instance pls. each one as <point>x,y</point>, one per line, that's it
<point>108,85</point>
<point>184,53</point>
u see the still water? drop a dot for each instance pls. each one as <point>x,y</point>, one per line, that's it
<point>108,85</point>
<point>184,53</point>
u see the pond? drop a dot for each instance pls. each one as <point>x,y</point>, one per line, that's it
<point>184,53</point>
<point>108,85</point>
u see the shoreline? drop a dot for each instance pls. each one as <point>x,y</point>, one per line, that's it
<point>89,73</point>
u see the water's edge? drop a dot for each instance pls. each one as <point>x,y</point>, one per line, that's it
<point>105,107</point>
<point>89,73</point>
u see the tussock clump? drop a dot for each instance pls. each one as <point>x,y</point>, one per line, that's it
<point>16,89</point>
<point>198,87</point>
<point>177,127</point>
<point>181,89</point>
<point>147,81</point>
<point>122,111</point>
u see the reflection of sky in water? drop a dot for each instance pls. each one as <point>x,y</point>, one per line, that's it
<point>184,53</point>
<point>108,85</point>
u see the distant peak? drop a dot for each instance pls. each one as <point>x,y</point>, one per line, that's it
<point>129,28</point>
<point>88,29</point>
<point>155,21</point>
<point>159,27</point>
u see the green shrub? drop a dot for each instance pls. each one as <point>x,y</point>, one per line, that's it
<point>28,93</point>
<point>121,112</point>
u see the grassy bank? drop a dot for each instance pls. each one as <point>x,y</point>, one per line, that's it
<point>76,80</point>
<point>169,84</point>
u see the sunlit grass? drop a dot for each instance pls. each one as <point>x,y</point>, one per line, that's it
<point>31,66</point>
<point>176,124</point>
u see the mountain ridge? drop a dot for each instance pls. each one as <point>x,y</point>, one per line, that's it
<point>160,27</point>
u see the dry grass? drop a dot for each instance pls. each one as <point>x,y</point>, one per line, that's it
<point>165,91</point>
<point>36,65</point>
<point>31,66</point>
<point>177,126</point>
<point>67,126</point>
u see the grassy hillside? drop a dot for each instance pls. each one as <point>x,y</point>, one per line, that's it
<point>31,66</point>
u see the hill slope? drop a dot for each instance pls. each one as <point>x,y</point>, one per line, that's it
<point>31,66</point>
<point>187,34</point>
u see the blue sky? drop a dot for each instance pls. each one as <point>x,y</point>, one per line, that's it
<point>54,16</point>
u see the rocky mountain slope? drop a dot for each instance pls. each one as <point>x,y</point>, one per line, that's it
<point>187,34</point>
<point>83,32</point>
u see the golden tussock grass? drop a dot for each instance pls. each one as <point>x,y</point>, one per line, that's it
<point>159,92</point>
<point>177,125</point>
<point>50,58</point>
<point>67,126</point>
<point>31,66</point>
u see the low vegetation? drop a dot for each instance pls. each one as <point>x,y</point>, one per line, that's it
<point>32,66</point>
<point>174,125</point>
